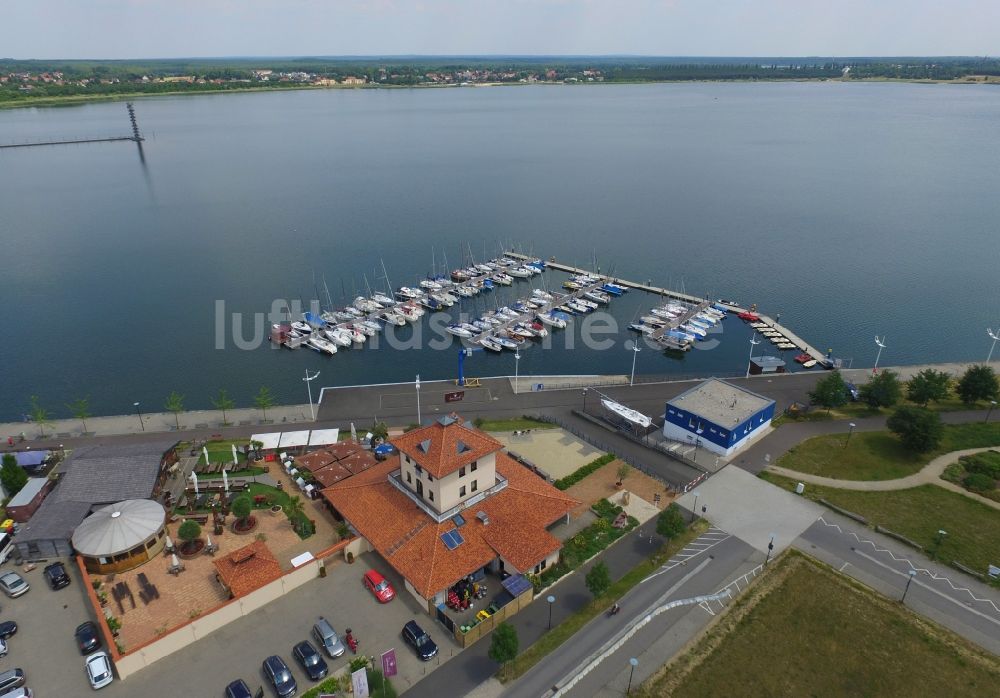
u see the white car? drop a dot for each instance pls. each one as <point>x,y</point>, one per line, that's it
<point>99,670</point>
<point>13,585</point>
<point>3,649</point>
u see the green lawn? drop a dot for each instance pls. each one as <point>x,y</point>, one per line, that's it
<point>818,633</point>
<point>918,513</point>
<point>282,498</point>
<point>243,472</point>
<point>222,451</point>
<point>878,455</point>
<point>514,424</point>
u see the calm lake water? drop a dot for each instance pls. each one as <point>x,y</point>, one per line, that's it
<point>850,209</point>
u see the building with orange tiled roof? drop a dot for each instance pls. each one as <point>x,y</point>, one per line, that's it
<point>247,569</point>
<point>450,505</point>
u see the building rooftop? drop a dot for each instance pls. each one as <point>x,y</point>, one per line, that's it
<point>248,568</point>
<point>118,528</point>
<point>28,492</point>
<point>512,524</point>
<point>719,402</point>
<point>445,445</point>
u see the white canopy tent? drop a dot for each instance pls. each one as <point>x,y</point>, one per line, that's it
<point>294,439</point>
<point>270,441</point>
<point>323,437</point>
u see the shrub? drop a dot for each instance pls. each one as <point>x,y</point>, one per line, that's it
<point>242,506</point>
<point>954,473</point>
<point>189,531</point>
<point>670,522</point>
<point>598,579</point>
<point>582,472</point>
<point>986,463</point>
<point>977,482</point>
<point>918,428</point>
<point>978,383</point>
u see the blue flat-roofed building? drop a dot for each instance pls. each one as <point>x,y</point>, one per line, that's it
<point>718,416</point>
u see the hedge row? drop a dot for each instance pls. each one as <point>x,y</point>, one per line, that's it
<point>566,482</point>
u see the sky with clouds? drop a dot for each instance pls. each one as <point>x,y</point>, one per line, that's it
<point>176,28</point>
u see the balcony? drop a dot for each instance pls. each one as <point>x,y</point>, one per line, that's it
<point>395,478</point>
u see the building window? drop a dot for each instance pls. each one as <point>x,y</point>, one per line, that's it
<point>430,495</point>
<point>409,479</point>
<point>474,465</point>
<point>461,491</point>
<point>418,469</point>
<point>430,478</point>
<point>475,485</point>
<point>541,566</point>
<point>461,471</point>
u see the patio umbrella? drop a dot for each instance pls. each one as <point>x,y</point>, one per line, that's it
<point>205,451</point>
<point>354,433</point>
<point>236,459</point>
<point>194,481</point>
<point>168,543</point>
<point>225,481</point>
<point>208,541</point>
<point>174,561</point>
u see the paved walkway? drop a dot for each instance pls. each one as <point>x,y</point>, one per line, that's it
<point>930,474</point>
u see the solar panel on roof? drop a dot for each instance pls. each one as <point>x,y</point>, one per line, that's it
<point>448,540</point>
<point>457,537</point>
<point>458,519</point>
<point>516,585</point>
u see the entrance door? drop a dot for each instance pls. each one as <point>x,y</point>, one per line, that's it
<point>420,488</point>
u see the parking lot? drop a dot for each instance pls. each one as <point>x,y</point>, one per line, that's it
<point>48,618</point>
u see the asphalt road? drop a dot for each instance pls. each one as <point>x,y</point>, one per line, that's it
<point>718,558</point>
<point>947,597</point>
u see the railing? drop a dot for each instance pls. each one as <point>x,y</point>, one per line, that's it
<point>396,481</point>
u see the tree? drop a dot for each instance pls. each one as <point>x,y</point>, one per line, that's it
<point>223,402</point>
<point>623,471</point>
<point>883,390</point>
<point>918,428</point>
<point>830,391</point>
<point>295,510</point>
<point>928,385</point>
<point>81,410</point>
<point>504,645</point>
<point>380,432</point>
<point>39,415</point>
<point>598,580</point>
<point>263,400</point>
<point>12,476</point>
<point>670,522</point>
<point>978,383</point>
<point>175,404</point>
<point>242,507</point>
<point>189,532</point>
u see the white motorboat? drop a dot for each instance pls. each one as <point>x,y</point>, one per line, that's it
<point>552,320</point>
<point>443,299</point>
<point>519,272</point>
<point>430,285</point>
<point>393,318</point>
<point>411,313</point>
<point>411,293</point>
<point>692,329</point>
<point>627,413</point>
<point>484,269</point>
<point>665,314</point>
<point>597,297</point>
<point>524,330</point>
<point>578,307</point>
<point>458,331</point>
<point>301,327</point>
<point>491,344</point>
<point>503,279</point>
<point>465,291</point>
<point>587,303</point>
<point>321,345</point>
<point>338,337</point>
<point>504,342</point>
<point>356,336</point>
<point>383,300</point>
<point>363,329</point>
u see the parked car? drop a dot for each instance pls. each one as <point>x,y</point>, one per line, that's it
<point>13,585</point>
<point>23,692</point>
<point>87,638</point>
<point>55,575</point>
<point>420,641</point>
<point>3,648</point>
<point>99,670</point>
<point>238,689</point>
<point>11,679</point>
<point>853,394</point>
<point>8,628</point>
<point>379,586</point>
<point>280,677</point>
<point>327,637</point>
<point>311,660</point>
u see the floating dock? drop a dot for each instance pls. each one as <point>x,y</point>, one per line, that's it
<point>696,301</point>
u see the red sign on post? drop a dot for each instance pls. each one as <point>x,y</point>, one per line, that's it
<point>389,663</point>
<point>455,396</point>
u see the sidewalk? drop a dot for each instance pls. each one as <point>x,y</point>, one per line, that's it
<point>930,474</point>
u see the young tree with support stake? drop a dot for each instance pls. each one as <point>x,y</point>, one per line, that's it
<point>504,645</point>
<point>39,415</point>
<point>223,402</point>
<point>263,400</point>
<point>598,580</point>
<point>175,404</point>
<point>81,410</point>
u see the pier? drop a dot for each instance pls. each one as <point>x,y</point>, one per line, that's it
<point>698,303</point>
<point>136,137</point>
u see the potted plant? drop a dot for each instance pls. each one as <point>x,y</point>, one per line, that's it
<point>622,472</point>
<point>190,534</point>
<point>243,511</point>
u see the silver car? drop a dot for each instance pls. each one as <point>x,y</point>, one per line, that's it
<point>327,637</point>
<point>13,585</point>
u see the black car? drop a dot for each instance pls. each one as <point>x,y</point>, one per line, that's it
<point>55,575</point>
<point>280,677</point>
<point>8,628</point>
<point>419,640</point>
<point>311,660</point>
<point>87,638</point>
<point>238,689</point>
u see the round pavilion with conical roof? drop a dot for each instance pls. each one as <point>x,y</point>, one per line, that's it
<point>121,536</point>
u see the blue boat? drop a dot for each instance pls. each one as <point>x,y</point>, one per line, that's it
<point>721,308</point>
<point>613,289</point>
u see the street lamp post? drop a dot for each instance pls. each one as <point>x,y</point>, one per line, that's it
<point>694,509</point>
<point>851,425</point>
<point>938,540</point>
<point>309,379</point>
<point>770,547</point>
<point>633,662</point>
<point>551,599</point>
<point>635,353</point>
<point>994,335</point>
<point>881,346</point>
<point>753,343</point>
<point>585,401</point>
<point>909,578</point>
<point>139,414</point>
<point>993,403</point>
<point>517,361</point>
<point>418,399</point>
